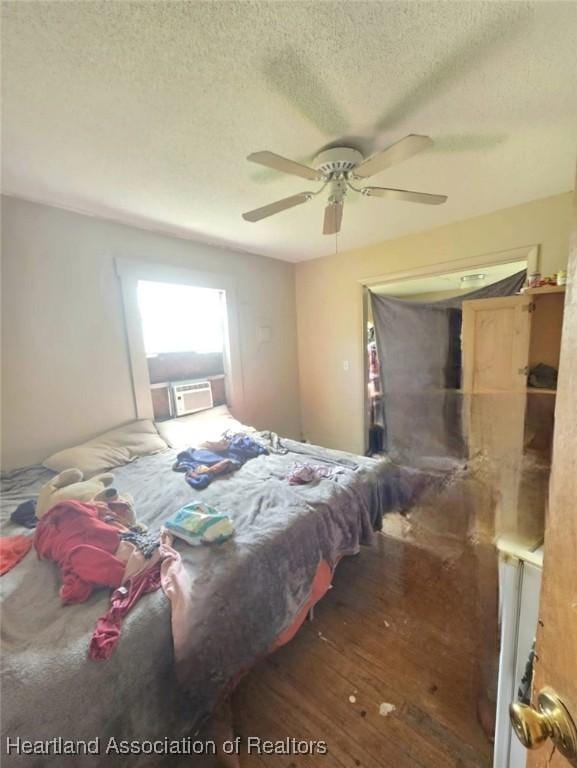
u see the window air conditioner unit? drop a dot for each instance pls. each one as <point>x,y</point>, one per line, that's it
<point>191,396</point>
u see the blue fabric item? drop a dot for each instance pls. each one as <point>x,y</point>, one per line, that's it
<point>193,458</point>
<point>241,448</point>
<point>200,480</point>
<point>25,514</point>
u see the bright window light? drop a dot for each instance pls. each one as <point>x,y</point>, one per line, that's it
<point>180,318</point>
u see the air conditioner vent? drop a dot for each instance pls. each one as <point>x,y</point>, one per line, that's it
<point>191,396</point>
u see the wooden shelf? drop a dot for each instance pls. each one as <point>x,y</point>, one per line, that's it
<point>540,391</point>
<point>544,289</point>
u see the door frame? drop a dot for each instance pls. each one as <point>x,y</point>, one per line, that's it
<point>530,253</point>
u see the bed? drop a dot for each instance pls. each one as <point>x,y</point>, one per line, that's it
<point>247,596</point>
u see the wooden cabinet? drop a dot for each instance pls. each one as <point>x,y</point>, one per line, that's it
<point>503,338</point>
<point>508,423</point>
<point>495,337</point>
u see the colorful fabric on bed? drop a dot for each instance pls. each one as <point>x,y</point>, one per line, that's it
<point>73,535</point>
<point>107,631</point>
<point>202,466</point>
<point>92,553</point>
<point>301,474</point>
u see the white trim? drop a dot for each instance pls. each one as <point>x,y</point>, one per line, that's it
<point>136,352</point>
<point>130,271</point>
<point>528,252</point>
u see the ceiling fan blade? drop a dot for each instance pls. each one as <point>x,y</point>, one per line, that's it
<point>277,207</point>
<point>396,153</point>
<point>404,194</point>
<point>283,164</point>
<point>333,218</point>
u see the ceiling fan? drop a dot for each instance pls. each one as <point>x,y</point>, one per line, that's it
<point>337,168</point>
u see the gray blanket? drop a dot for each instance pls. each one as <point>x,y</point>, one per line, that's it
<point>244,593</point>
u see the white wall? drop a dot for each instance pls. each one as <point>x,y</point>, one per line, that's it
<point>65,370</point>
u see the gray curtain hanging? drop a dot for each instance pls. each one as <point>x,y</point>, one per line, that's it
<point>419,348</point>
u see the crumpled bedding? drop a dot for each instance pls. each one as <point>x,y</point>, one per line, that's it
<point>230,601</point>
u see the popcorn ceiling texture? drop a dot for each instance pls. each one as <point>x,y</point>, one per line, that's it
<point>145,111</point>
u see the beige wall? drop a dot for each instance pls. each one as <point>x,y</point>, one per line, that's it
<point>329,302</point>
<point>65,371</point>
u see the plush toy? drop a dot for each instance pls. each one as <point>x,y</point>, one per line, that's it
<point>121,508</point>
<point>70,484</point>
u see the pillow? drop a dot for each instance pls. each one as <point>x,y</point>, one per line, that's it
<point>112,449</point>
<point>190,431</point>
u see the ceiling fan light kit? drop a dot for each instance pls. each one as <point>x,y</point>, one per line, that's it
<point>336,168</point>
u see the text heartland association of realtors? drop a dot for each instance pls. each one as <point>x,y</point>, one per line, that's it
<point>184,746</point>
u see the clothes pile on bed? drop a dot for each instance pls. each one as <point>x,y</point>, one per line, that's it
<point>302,474</point>
<point>93,549</point>
<point>89,530</point>
<point>220,457</point>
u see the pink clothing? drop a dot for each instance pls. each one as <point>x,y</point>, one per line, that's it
<point>134,560</point>
<point>83,545</point>
<point>107,631</point>
<point>301,474</point>
<point>146,576</point>
<point>140,577</point>
<point>91,554</point>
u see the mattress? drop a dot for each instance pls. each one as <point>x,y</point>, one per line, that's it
<point>244,594</point>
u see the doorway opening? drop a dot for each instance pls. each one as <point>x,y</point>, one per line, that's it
<point>436,291</point>
<point>485,518</point>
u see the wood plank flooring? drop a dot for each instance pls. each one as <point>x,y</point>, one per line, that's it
<point>402,627</point>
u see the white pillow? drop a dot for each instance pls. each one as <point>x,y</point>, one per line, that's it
<point>112,449</point>
<point>190,431</point>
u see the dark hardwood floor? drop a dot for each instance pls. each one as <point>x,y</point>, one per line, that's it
<point>395,664</point>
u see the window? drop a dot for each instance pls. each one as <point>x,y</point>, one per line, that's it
<point>181,318</point>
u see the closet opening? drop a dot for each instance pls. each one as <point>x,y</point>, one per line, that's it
<point>413,358</point>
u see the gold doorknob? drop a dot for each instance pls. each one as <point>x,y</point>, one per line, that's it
<point>551,720</point>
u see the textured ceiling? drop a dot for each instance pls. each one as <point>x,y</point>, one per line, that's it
<point>146,111</point>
